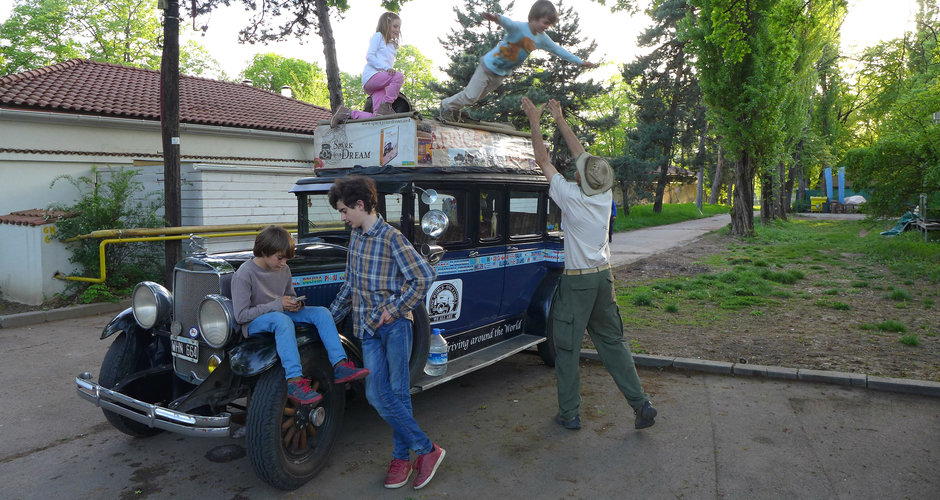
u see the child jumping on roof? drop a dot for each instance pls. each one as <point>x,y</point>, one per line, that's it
<point>520,40</point>
<point>379,80</point>
<point>264,300</point>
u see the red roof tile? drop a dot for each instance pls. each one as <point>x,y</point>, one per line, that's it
<point>34,217</point>
<point>86,87</point>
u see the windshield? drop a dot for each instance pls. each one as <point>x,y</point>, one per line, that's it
<point>317,215</point>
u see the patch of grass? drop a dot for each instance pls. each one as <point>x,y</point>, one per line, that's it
<point>636,348</point>
<point>642,299</point>
<point>783,294</point>
<point>672,308</point>
<point>859,284</point>
<point>839,306</point>
<point>756,313</point>
<point>910,340</point>
<point>868,326</point>
<point>928,303</point>
<point>698,295</point>
<point>825,284</point>
<point>831,291</point>
<point>816,267</point>
<point>892,326</point>
<point>899,295</point>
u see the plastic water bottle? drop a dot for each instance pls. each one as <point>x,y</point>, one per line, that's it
<point>437,354</point>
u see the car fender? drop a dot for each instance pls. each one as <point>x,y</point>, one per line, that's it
<point>123,322</point>
<point>255,355</point>
<point>541,303</point>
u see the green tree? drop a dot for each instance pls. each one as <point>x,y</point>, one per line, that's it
<point>670,113</point>
<point>43,32</point>
<point>271,72</point>
<point>416,69</point>
<point>745,55</point>
<point>898,152</point>
<point>282,18</point>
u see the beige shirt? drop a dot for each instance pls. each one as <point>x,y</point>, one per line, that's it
<point>585,220</point>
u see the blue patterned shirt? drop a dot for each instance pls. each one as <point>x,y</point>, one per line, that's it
<point>383,272</point>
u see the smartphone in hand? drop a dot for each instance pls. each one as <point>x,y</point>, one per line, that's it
<point>300,298</point>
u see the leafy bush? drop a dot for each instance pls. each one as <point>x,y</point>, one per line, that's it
<point>111,199</point>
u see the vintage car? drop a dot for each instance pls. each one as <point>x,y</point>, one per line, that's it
<point>177,362</point>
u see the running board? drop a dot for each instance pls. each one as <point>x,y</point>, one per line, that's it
<point>476,360</point>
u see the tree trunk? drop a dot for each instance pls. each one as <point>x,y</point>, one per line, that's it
<point>667,148</point>
<point>766,198</point>
<point>626,198</point>
<point>333,82</point>
<point>801,176</point>
<point>783,196</point>
<point>716,181</point>
<point>742,205</point>
<point>170,125</point>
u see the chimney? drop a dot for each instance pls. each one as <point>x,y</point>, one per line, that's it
<point>286,91</point>
<point>247,82</point>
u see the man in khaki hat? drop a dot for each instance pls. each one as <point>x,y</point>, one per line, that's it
<point>585,295</point>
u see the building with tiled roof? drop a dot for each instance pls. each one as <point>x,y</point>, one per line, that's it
<point>241,147</point>
<point>94,88</point>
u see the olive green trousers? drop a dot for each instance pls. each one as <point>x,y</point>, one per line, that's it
<point>587,302</point>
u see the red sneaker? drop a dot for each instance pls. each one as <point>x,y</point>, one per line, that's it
<point>347,372</point>
<point>398,473</point>
<point>426,465</point>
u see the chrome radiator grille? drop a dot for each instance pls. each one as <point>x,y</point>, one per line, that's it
<point>189,288</point>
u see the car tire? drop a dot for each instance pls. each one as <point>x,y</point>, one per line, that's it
<point>285,447</point>
<point>125,357</point>
<point>420,343</point>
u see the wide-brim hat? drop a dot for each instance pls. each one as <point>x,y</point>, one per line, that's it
<point>595,173</point>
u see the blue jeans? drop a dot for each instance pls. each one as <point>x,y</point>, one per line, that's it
<point>282,324</point>
<point>388,386</point>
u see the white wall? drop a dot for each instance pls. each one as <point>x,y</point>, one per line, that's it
<point>30,259</point>
<point>228,176</point>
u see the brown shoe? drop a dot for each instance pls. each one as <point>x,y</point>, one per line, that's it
<point>385,109</point>
<point>340,116</point>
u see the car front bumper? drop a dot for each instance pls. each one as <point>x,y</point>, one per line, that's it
<point>150,415</point>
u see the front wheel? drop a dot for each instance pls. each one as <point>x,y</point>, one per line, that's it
<point>288,444</point>
<point>126,356</point>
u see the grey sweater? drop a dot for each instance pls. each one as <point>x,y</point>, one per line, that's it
<point>256,291</point>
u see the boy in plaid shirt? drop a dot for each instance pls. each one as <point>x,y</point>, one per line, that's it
<point>385,279</point>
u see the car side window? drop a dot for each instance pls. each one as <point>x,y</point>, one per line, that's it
<point>454,204</point>
<point>523,213</point>
<point>552,218</point>
<point>490,203</point>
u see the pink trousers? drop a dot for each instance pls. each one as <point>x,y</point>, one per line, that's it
<point>383,87</point>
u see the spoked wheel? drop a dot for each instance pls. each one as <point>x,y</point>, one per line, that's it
<point>288,444</point>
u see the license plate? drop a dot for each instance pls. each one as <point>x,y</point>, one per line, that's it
<point>185,348</point>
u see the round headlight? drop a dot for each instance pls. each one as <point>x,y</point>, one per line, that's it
<point>216,320</point>
<point>151,304</point>
<point>434,223</point>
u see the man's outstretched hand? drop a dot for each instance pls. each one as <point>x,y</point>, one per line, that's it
<point>531,110</point>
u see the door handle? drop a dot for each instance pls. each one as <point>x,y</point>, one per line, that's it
<point>512,249</point>
<point>474,253</point>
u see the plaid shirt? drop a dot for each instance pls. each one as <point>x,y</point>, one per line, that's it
<point>383,272</point>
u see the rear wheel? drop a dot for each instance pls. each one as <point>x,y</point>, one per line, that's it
<point>421,342</point>
<point>288,444</point>
<point>125,357</point>
<point>547,348</point>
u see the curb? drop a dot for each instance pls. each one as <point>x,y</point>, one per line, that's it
<point>35,317</point>
<point>875,383</point>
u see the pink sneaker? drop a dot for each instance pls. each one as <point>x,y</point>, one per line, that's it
<point>398,473</point>
<point>426,465</point>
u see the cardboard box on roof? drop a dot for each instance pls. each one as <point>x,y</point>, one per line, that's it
<point>410,142</point>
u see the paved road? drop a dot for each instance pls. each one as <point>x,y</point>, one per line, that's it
<point>717,437</point>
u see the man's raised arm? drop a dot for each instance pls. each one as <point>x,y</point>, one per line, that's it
<point>535,127</point>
